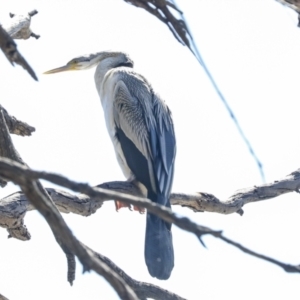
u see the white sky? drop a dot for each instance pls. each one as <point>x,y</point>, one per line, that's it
<point>252,49</point>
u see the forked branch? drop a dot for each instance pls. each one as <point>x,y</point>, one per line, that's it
<point>17,173</point>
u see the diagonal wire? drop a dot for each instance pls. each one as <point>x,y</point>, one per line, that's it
<point>194,49</point>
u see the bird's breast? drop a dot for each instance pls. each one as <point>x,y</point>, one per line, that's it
<point>106,93</point>
<point>105,89</point>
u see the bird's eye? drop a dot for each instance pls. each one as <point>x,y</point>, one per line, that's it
<point>75,61</point>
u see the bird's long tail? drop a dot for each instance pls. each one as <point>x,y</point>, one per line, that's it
<point>159,254</point>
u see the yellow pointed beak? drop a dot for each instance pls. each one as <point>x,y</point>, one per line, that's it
<point>61,69</point>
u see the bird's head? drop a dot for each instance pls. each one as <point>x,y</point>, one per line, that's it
<point>91,60</point>
<point>78,63</point>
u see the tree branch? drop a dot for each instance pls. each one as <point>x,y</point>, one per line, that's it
<point>7,148</point>
<point>142,289</point>
<point>19,27</point>
<point>180,30</point>
<point>41,200</point>
<point>294,5</point>
<point>9,48</point>
<point>160,10</point>
<point>14,171</point>
<point>67,240</point>
<point>15,126</point>
<point>286,267</point>
<point>2,297</point>
<point>14,207</point>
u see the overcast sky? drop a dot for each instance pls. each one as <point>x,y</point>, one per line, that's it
<point>252,49</point>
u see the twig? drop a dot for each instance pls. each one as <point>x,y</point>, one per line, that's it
<point>286,267</point>
<point>71,267</point>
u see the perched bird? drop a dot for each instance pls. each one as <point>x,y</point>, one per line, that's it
<point>140,126</point>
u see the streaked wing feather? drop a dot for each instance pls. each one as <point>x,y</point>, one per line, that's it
<point>142,118</point>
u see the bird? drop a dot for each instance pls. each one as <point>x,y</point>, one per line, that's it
<point>141,128</point>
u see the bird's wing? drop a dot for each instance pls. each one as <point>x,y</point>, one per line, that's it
<point>145,130</point>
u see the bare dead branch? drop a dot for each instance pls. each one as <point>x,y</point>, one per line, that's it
<point>16,206</point>
<point>142,289</point>
<point>66,239</point>
<point>41,200</point>
<point>19,230</point>
<point>16,173</point>
<point>15,126</point>
<point>200,202</point>
<point>294,5</point>
<point>160,10</point>
<point>84,205</point>
<point>286,267</point>
<point>2,297</point>
<point>9,48</point>
<point>71,267</point>
<point>33,13</point>
<point>19,28</point>
<point>180,30</point>
<point>7,148</point>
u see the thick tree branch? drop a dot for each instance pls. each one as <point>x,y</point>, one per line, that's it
<point>41,200</point>
<point>15,172</point>
<point>67,240</point>
<point>13,207</point>
<point>19,230</point>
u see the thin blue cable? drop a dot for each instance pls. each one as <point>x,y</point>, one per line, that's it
<point>198,56</point>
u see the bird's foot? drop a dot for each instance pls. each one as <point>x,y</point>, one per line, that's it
<point>120,204</point>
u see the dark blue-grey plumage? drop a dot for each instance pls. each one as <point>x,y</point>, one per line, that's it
<point>152,165</point>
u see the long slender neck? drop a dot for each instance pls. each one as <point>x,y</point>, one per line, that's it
<point>106,64</point>
<point>102,68</point>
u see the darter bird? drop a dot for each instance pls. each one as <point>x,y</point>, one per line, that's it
<point>141,128</point>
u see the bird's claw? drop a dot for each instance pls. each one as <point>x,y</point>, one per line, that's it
<point>141,210</point>
<point>120,204</point>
